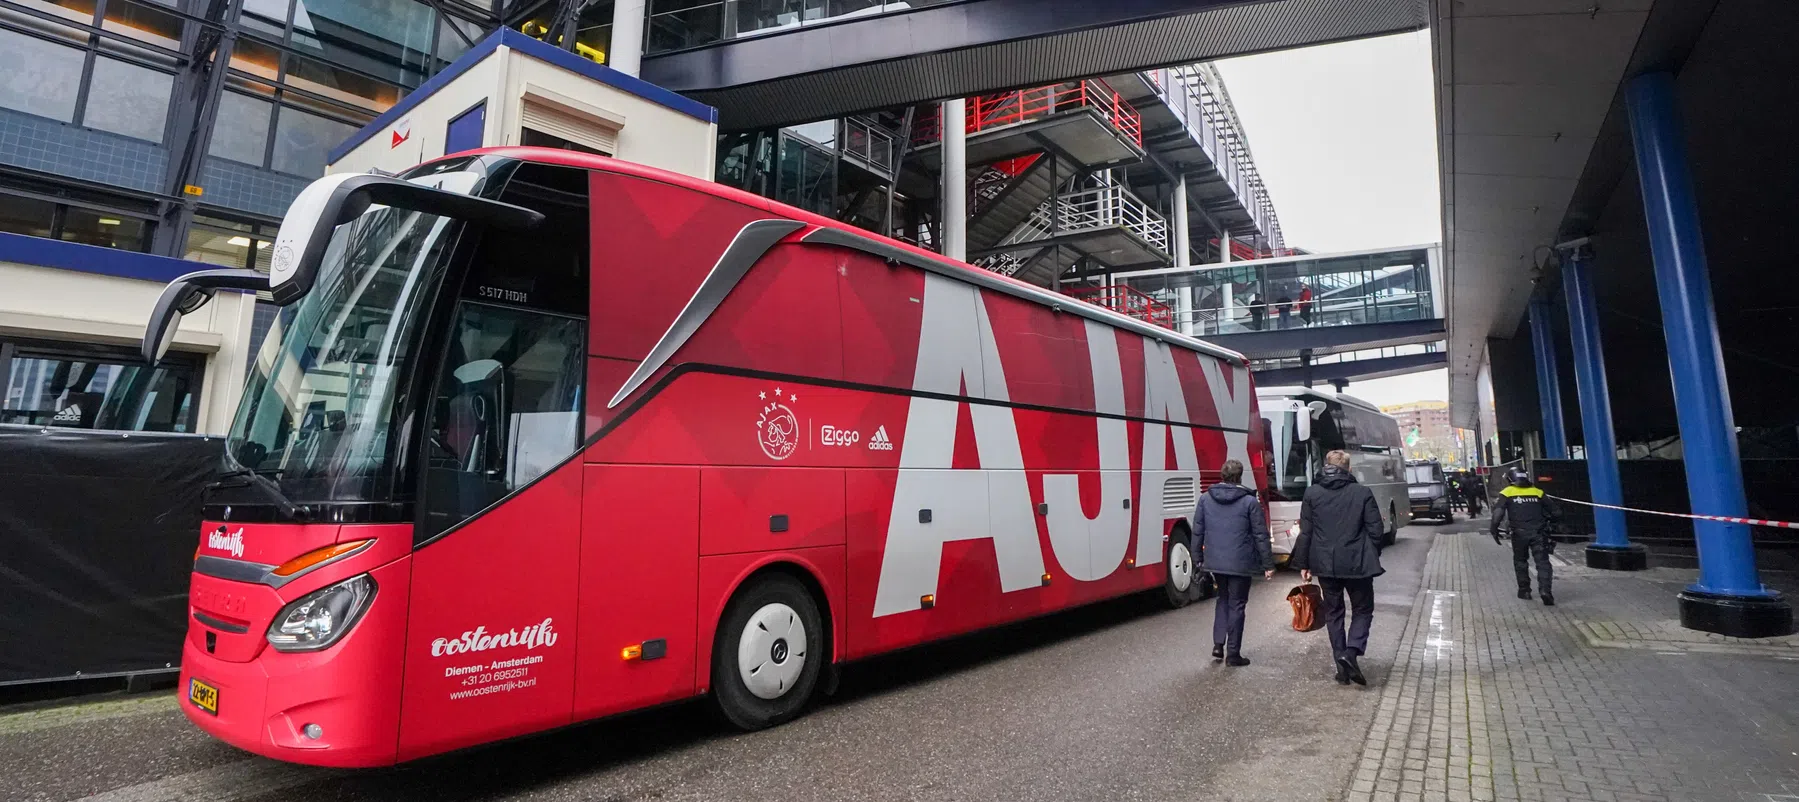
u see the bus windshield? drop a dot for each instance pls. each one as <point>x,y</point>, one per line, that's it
<point>317,408</point>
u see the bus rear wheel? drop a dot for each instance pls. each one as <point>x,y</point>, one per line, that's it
<point>768,653</point>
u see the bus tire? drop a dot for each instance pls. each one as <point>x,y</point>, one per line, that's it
<point>1391,536</point>
<point>768,655</point>
<point>1181,586</point>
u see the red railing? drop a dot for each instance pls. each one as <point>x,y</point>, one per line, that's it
<point>1126,301</point>
<point>985,112</point>
<point>1244,252</point>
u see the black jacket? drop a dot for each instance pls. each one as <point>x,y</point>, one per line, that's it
<point>1230,535</point>
<point>1526,508</point>
<point>1339,528</point>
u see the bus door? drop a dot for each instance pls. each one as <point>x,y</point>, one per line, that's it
<point>490,643</point>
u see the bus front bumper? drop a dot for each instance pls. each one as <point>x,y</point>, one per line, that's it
<point>268,713</point>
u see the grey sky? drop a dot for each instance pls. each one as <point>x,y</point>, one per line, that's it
<point>1345,138</point>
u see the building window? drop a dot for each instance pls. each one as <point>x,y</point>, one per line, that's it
<point>90,227</point>
<point>39,77</point>
<point>678,24</point>
<point>87,221</point>
<point>127,89</point>
<point>97,387</point>
<point>302,141</point>
<point>28,216</point>
<point>229,243</point>
<point>127,99</point>
<point>240,131</point>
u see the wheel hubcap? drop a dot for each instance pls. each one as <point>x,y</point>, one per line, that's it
<point>771,651</point>
<point>1180,566</point>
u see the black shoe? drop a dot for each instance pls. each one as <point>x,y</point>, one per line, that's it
<point>1217,652</point>
<point>1236,660</point>
<point>1524,593</point>
<point>1342,674</point>
<point>1548,600</point>
<point>1347,667</point>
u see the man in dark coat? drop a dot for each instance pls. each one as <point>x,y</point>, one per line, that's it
<point>1339,542</point>
<point>1230,535</point>
<point>1530,513</point>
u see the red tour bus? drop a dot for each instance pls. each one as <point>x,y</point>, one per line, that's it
<point>540,437</point>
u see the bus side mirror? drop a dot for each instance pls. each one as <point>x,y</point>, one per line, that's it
<point>331,201</point>
<point>1303,428</point>
<point>185,296</point>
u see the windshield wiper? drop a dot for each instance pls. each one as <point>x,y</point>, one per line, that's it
<point>259,478</point>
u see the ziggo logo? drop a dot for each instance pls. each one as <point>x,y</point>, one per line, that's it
<point>833,436</point>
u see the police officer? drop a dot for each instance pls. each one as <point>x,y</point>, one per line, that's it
<point>1530,513</point>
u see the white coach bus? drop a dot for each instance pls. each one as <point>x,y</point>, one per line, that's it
<point>1303,425</point>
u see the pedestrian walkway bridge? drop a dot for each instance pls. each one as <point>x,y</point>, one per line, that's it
<point>1310,305</point>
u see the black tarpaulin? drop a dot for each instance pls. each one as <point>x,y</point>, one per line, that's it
<point>97,539</point>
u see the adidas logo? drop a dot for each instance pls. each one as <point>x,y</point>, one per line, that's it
<point>880,442</point>
<point>72,414</point>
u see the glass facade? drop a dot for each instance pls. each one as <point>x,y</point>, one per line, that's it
<point>303,76</point>
<point>681,24</point>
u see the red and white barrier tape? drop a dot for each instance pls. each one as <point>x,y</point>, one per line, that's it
<point>1725,519</point>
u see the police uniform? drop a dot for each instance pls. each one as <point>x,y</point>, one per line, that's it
<point>1530,513</point>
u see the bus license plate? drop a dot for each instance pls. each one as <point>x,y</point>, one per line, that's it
<point>203,696</point>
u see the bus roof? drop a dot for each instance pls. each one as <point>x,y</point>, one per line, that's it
<point>1321,395</point>
<point>850,236</point>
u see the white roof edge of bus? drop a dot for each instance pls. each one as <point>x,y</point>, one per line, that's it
<point>1275,392</point>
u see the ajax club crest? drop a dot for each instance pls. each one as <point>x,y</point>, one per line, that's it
<point>778,431</point>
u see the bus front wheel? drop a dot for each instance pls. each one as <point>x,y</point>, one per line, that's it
<point>768,653</point>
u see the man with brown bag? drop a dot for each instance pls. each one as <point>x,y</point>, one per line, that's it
<point>1339,542</point>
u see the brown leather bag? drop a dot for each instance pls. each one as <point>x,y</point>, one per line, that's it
<point>1306,600</point>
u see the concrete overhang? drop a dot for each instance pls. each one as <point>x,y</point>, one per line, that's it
<point>1524,89</point>
<point>965,48</point>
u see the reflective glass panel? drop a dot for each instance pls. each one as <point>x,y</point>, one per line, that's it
<point>38,77</point>
<point>105,230</point>
<point>241,130</point>
<point>303,140</point>
<point>28,216</point>
<point>128,99</point>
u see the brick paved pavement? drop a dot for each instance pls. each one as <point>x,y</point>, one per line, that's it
<point>1493,698</point>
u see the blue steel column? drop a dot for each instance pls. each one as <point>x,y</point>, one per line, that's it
<point>1611,547</point>
<point>1549,381</point>
<point>1729,597</point>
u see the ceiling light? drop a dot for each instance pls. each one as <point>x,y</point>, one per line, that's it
<point>241,242</point>
<point>260,244</point>
<point>109,221</point>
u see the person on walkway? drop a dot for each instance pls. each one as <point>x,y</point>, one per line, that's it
<point>1305,304</point>
<point>1339,543</point>
<point>1476,490</point>
<point>1530,514</point>
<point>1230,535</point>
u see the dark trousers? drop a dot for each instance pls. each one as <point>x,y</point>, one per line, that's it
<point>1227,618</point>
<point>1361,604</point>
<point>1524,547</point>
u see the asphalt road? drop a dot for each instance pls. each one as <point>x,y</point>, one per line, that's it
<point>1118,701</point>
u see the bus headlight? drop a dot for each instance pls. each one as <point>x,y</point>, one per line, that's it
<point>320,618</point>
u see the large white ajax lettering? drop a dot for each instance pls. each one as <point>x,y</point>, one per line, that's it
<point>994,501</point>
